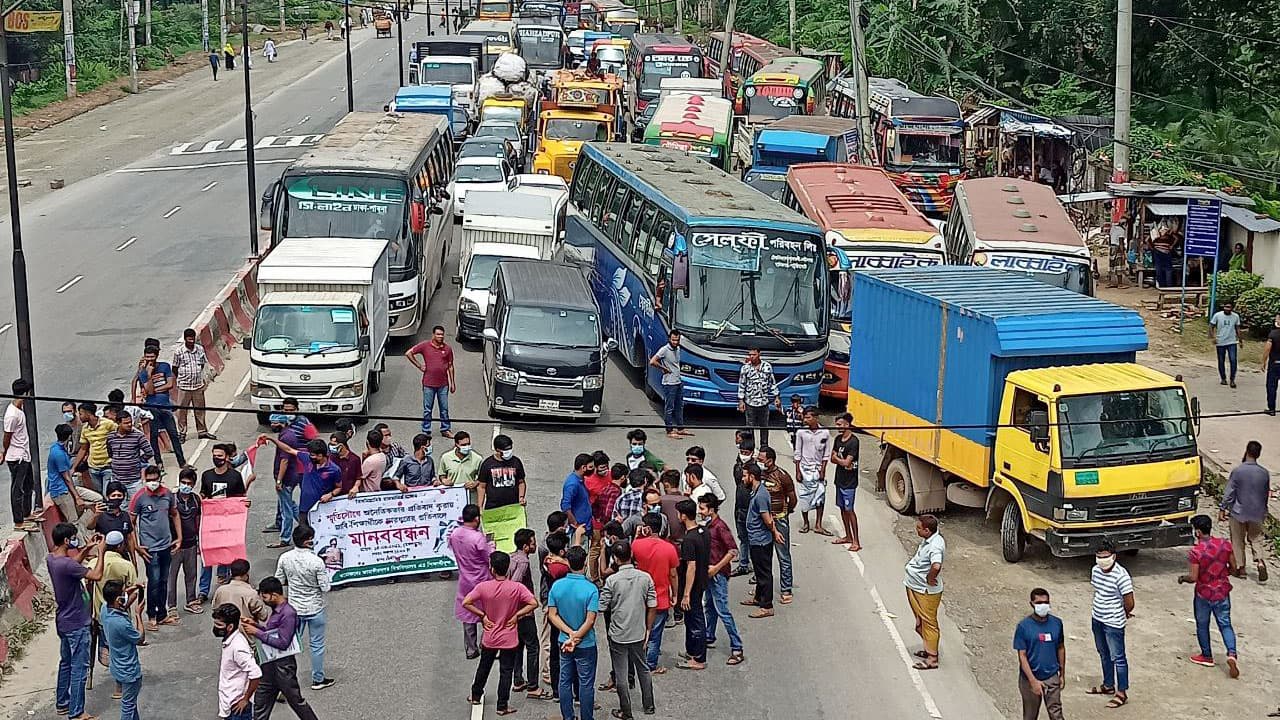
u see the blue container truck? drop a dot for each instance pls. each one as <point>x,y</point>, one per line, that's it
<point>798,139</point>
<point>990,389</point>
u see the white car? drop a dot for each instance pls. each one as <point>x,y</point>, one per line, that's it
<point>478,173</point>
<point>551,186</point>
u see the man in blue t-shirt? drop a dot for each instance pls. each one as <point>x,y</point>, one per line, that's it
<point>320,475</point>
<point>1042,659</point>
<point>155,381</point>
<point>58,481</point>
<point>572,605</point>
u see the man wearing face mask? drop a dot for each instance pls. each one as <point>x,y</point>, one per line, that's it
<point>471,549</point>
<point>417,470</point>
<point>461,466</point>
<point>635,525</point>
<point>130,452</point>
<point>1112,606</point>
<point>746,448</point>
<point>59,485</point>
<point>110,515</point>
<point>1042,659</point>
<point>348,466</point>
<point>279,654</point>
<point>238,671</point>
<point>93,452</point>
<point>155,513</point>
<point>122,640</point>
<point>308,580</point>
<point>501,477</point>
<point>639,454</point>
<point>286,471</point>
<point>222,480</point>
<point>187,557</point>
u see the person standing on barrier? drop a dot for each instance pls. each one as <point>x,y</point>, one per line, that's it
<point>154,382</point>
<point>17,455</point>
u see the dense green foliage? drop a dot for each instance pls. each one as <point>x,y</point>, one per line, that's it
<point>1231,285</point>
<point>1259,307</point>
<point>1206,83</point>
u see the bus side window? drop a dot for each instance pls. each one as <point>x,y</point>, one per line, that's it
<point>656,241</point>
<point>613,213</point>
<point>644,229</point>
<point>601,196</point>
<point>579,196</point>
<point>629,218</point>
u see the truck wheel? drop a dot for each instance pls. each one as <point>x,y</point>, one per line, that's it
<point>897,487</point>
<point>1013,540</point>
<point>375,381</point>
<point>264,418</point>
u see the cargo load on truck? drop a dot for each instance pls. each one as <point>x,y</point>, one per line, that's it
<point>994,390</point>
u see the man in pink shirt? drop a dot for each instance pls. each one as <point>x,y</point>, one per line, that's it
<point>501,604</point>
<point>471,549</point>
<point>435,359</point>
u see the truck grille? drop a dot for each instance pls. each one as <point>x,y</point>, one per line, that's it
<point>1130,506</point>
<point>564,165</point>
<point>305,390</point>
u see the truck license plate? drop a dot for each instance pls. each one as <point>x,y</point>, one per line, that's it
<point>548,404</point>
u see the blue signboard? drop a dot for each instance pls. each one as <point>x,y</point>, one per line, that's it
<point>1204,225</point>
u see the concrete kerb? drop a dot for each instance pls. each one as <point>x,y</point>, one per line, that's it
<point>229,315</point>
<point>22,555</point>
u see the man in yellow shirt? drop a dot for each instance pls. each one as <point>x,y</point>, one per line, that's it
<point>460,466</point>
<point>93,445</point>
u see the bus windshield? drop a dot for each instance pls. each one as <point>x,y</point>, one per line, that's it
<point>924,151</point>
<point>657,67</point>
<point>770,103</point>
<point>301,329</point>
<point>347,206</point>
<point>622,29</point>
<point>583,130</point>
<point>753,282</point>
<point>446,73</point>
<point>541,46</point>
<point>1113,428</point>
<point>501,7</point>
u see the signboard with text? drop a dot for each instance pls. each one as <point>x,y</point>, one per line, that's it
<point>1204,227</point>
<point>29,21</point>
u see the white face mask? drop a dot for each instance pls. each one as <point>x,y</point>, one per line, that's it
<point>507,454</point>
<point>1106,563</point>
<point>744,457</point>
<point>153,485</point>
<point>1041,609</point>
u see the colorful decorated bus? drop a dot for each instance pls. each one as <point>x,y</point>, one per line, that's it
<point>699,125</point>
<point>786,86</point>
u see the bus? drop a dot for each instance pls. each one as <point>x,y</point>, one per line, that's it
<point>622,21</point>
<point>499,37</point>
<point>793,140</point>
<point>786,86</point>
<point>541,46</point>
<point>376,176</point>
<point>918,139</point>
<point>676,243</point>
<point>869,224</point>
<point>699,125</point>
<point>1017,226</point>
<point>746,57</point>
<point>653,57</point>
<point>494,10</point>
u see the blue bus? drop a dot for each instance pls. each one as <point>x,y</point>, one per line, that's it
<point>798,139</point>
<point>675,242</point>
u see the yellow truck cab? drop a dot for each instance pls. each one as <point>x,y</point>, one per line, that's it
<point>508,108</point>
<point>583,108</point>
<point>993,390</point>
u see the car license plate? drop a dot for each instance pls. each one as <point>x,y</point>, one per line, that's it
<point>548,404</point>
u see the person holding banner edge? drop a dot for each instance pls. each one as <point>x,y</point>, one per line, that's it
<point>471,549</point>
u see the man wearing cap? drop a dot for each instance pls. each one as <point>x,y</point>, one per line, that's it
<point>190,363</point>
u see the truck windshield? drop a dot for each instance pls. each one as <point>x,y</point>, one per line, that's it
<point>584,130</point>
<point>622,29</point>
<point>658,67</point>
<point>446,73</point>
<point>771,103</point>
<point>1115,427</point>
<point>770,184</point>
<point>749,281</point>
<point>347,206</point>
<point>480,276</point>
<point>540,326</point>
<point>495,8</point>
<point>303,329</point>
<point>925,151</point>
<point>508,113</point>
<point>541,46</point>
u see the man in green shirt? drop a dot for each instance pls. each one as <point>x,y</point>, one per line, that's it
<point>460,466</point>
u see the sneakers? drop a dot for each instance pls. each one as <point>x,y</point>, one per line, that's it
<point>325,683</point>
<point>1202,660</point>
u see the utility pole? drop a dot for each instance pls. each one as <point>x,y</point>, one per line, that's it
<point>791,23</point>
<point>351,97</point>
<point>131,9</point>
<point>861,92</point>
<point>727,50</point>
<point>147,34</point>
<point>250,167</point>
<point>1120,242</point>
<point>281,15</point>
<point>222,25</point>
<point>69,46</point>
<point>400,41</point>
<point>204,24</point>
<point>679,16</point>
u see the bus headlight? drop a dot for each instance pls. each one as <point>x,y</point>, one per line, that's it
<point>807,378</point>
<point>694,371</point>
<point>506,375</point>
<point>593,382</point>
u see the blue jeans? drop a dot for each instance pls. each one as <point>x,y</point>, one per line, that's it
<point>1227,352</point>
<point>245,714</point>
<point>163,420</point>
<point>1221,612</point>
<point>129,693</point>
<point>655,637</point>
<point>431,396</point>
<point>783,524</point>
<point>1115,666</point>
<point>206,579</point>
<point>100,477</point>
<point>695,629</point>
<point>717,606</point>
<point>673,406</point>
<point>158,584</point>
<point>288,513</point>
<point>73,668</point>
<point>314,625</point>
<point>579,666</point>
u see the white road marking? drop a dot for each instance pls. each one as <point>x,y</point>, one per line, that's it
<point>201,166</point>
<point>477,711</point>
<point>169,214</point>
<point>887,619</point>
<point>335,97</point>
<point>127,243</point>
<point>497,429</point>
<point>208,187</point>
<point>5,327</point>
<point>67,285</point>
<point>304,119</point>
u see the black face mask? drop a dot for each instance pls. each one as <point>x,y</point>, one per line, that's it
<point>220,632</point>
<point>115,503</point>
<point>219,462</point>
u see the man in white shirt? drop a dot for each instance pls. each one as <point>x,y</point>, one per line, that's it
<point>307,579</point>
<point>1224,328</point>
<point>17,455</point>
<point>238,671</point>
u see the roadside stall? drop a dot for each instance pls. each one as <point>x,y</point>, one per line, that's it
<point>1015,143</point>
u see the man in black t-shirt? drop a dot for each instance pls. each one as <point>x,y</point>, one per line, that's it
<point>1271,365</point>
<point>501,477</point>
<point>844,455</point>
<point>222,480</point>
<point>695,557</point>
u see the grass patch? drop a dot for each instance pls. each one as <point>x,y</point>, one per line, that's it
<point>1214,485</point>
<point>1195,338</point>
<point>20,635</point>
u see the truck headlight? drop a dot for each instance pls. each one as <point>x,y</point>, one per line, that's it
<point>506,375</point>
<point>1070,513</point>
<point>401,303</point>
<point>1186,503</point>
<point>263,391</point>
<point>469,307</point>
<point>354,390</point>
<point>593,382</point>
<point>694,371</point>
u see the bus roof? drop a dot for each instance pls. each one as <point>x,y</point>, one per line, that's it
<point>487,26</point>
<point>663,42</point>
<point>693,190</point>
<point>691,113</point>
<point>827,125</point>
<point>891,97</point>
<point>1015,211</point>
<point>804,68</point>
<point>848,197</point>
<point>386,142</point>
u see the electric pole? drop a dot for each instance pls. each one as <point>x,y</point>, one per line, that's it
<point>679,16</point>
<point>351,96</point>
<point>131,8</point>
<point>1124,84</point>
<point>400,41</point>
<point>147,34</point>
<point>204,24</point>
<point>861,92</point>
<point>222,26</point>
<point>791,23</point>
<point>69,46</point>
<point>727,49</point>
<point>250,167</point>
<point>281,15</point>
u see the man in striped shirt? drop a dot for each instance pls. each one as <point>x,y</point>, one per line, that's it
<point>130,451</point>
<point>189,363</point>
<point>757,389</point>
<point>1112,606</point>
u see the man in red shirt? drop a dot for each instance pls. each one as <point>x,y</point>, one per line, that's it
<point>1211,564</point>
<point>724,550</point>
<point>435,360</point>
<point>598,482</point>
<point>657,557</point>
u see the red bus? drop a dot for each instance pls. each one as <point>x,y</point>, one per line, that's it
<point>653,58</point>
<point>868,224</point>
<point>746,57</point>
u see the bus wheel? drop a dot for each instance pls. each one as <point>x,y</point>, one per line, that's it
<point>897,487</point>
<point>1013,540</point>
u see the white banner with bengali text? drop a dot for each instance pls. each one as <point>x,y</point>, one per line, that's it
<point>386,534</point>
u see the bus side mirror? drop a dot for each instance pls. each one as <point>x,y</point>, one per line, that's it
<point>1038,425</point>
<point>267,211</point>
<point>417,217</point>
<point>680,274</point>
<point>1195,412</point>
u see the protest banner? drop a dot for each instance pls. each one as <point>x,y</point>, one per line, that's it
<point>222,528</point>
<point>502,524</point>
<point>385,534</point>
<point>26,21</point>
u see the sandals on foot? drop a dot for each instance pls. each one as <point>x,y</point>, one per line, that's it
<point>735,658</point>
<point>804,529</point>
<point>1100,690</point>
<point>508,711</point>
<point>925,665</point>
<point>538,694</point>
<point>1117,701</point>
<point>786,599</point>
